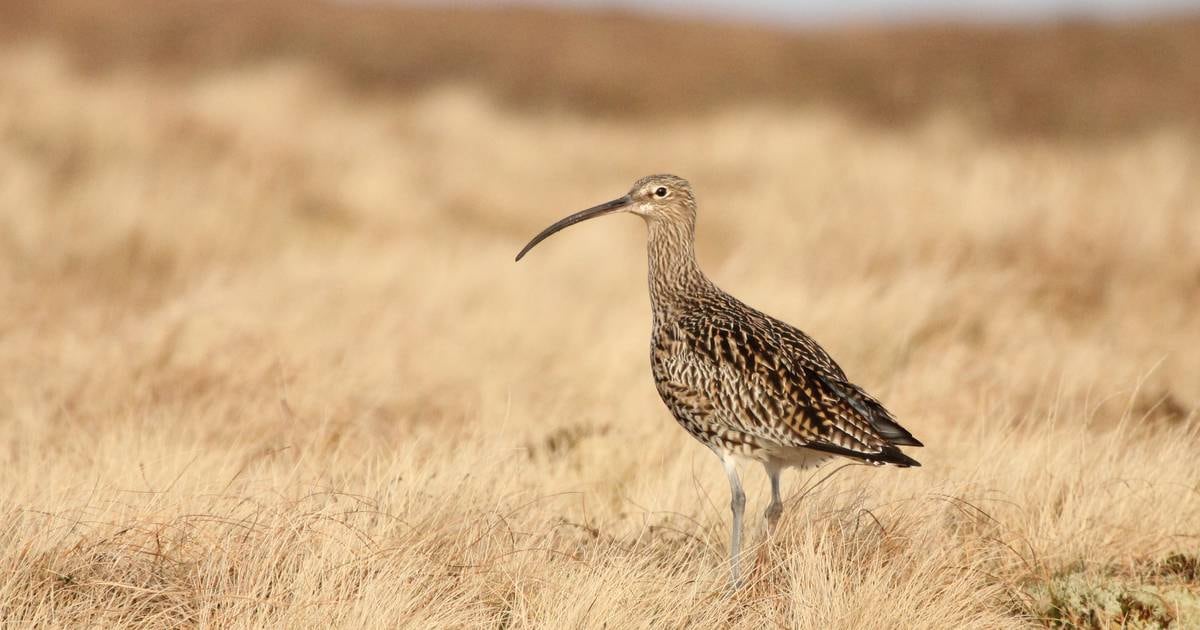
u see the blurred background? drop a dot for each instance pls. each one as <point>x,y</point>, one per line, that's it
<point>1042,153</point>
<point>1034,66</point>
<point>257,253</point>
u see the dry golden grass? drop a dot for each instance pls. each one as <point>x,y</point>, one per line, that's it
<point>267,362</point>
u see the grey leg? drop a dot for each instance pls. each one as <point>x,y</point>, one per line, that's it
<point>737,502</point>
<point>775,509</point>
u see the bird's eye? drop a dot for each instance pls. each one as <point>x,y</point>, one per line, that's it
<point>661,191</point>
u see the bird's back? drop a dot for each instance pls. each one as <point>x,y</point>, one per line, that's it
<point>746,383</point>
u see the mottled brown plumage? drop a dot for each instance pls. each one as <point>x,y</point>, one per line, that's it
<point>743,383</point>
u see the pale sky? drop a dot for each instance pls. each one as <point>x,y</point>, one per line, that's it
<point>824,12</point>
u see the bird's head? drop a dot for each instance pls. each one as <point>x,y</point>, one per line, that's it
<point>655,198</point>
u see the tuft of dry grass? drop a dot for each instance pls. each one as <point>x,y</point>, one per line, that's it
<point>267,362</point>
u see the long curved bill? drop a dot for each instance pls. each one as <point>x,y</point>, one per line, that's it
<point>607,207</point>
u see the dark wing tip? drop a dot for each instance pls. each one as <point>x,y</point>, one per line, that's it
<point>889,454</point>
<point>905,440</point>
<point>874,412</point>
<point>896,457</point>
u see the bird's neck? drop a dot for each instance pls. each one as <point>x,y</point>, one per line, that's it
<point>674,273</point>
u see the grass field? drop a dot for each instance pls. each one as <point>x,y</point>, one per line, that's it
<point>267,361</point>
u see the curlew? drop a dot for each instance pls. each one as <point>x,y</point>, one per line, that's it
<point>746,385</point>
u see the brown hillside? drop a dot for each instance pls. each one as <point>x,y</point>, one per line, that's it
<point>1071,78</point>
